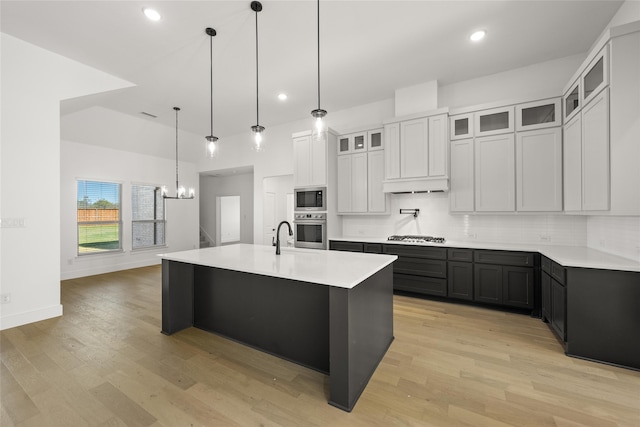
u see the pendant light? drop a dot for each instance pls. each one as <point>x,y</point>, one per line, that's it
<point>211,145</point>
<point>319,125</point>
<point>181,193</point>
<point>256,6</point>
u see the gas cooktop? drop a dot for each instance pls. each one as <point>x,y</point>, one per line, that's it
<point>416,239</point>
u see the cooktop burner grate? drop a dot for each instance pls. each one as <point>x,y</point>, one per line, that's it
<point>416,239</point>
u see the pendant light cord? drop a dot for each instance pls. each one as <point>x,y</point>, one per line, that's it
<point>257,87</point>
<point>318,54</point>
<point>211,61</point>
<point>177,185</point>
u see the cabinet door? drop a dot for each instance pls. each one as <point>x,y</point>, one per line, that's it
<point>319,161</point>
<point>414,150</point>
<point>460,280</point>
<point>461,193</point>
<point>539,170</point>
<point>359,182</point>
<point>495,173</point>
<point>438,145</point>
<point>494,122</point>
<point>546,297</point>
<point>377,199</point>
<point>344,145</point>
<point>572,102</point>
<point>517,286</point>
<point>559,309</point>
<point>375,139</point>
<point>344,184</point>
<point>596,76</point>
<point>359,142</point>
<point>301,162</point>
<point>392,151</point>
<point>595,153</point>
<point>487,283</point>
<point>572,165</point>
<point>538,114</point>
<point>461,126</point>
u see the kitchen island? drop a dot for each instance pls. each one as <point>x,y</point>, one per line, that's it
<point>326,310</point>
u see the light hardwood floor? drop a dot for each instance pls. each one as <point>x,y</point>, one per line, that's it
<point>105,363</point>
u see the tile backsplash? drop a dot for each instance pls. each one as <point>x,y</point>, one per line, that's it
<point>618,235</point>
<point>435,220</point>
<point>612,234</point>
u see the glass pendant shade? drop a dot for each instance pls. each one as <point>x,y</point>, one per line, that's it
<point>211,146</point>
<point>258,144</point>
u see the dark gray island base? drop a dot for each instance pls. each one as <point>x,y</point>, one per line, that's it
<point>342,332</point>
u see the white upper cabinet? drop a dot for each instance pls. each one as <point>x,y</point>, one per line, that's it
<point>494,121</point>
<point>495,173</point>
<point>572,164</point>
<point>378,201</point>
<point>375,140</point>
<point>538,114</point>
<point>461,126</point>
<point>352,143</point>
<point>438,139</point>
<point>344,183</point>
<point>596,76</point>
<point>392,151</point>
<point>414,151</point>
<point>461,193</point>
<point>595,154</point>
<point>539,170</point>
<point>572,102</point>
<point>309,162</point>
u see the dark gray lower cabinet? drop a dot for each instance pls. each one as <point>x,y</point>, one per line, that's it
<point>337,245</point>
<point>559,309</point>
<point>460,280</point>
<point>504,285</point>
<point>546,297</point>
<point>420,284</point>
<point>554,297</point>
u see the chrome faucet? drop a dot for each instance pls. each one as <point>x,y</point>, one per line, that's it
<point>278,235</point>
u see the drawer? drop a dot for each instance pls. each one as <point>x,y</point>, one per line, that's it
<point>420,267</point>
<point>335,245</point>
<point>519,259</point>
<point>418,284</point>
<point>464,255</point>
<point>545,264</point>
<point>558,272</point>
<point>416,251</point>
<point>373,248</point>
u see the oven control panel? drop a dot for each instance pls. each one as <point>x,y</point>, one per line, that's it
<point>310,216</point>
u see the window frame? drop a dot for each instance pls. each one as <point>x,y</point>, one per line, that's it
<point>119,222</point>
<point>163,221</point>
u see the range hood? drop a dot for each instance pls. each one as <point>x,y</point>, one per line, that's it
<point>415,185</point>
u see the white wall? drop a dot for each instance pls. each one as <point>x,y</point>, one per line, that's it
<point>34,81</point>
<point>616,235</point>
<point>435,220</point>
<point>629,12</point>
<point>231,185</point>
<point>537,81</point>
<point>84,161</point>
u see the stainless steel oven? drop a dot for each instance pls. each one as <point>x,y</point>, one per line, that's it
<point>311,199</point>
<point>310,230</point>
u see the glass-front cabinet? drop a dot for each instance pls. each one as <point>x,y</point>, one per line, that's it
<point>352,143</point>
<point>538,114</point>
<point>375,139</point>
<point>596,76</point>
<point>494,121</point>
<point>572,102</point>
<point>461,126</point>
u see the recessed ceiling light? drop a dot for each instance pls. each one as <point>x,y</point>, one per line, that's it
<point>478,35</point>
<point>282,96</point>
<point>152,14</point>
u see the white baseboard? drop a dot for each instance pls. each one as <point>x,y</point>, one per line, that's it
<point>92,271</point>
<point>18,319</point>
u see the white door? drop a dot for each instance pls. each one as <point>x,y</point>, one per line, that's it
<point>344,184</point>
<point>438,145</point>
<point>572,162</point>
<point>359,182</point>
<point>595,153</point>
<point>414,151</point>
<point>495,173</point>
<point>461,193</point>
<point>269,217</point>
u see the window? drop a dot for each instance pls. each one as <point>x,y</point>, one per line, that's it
<point>147,219</point>
<point>99,220</point>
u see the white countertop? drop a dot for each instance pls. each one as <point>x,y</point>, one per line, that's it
<point>567,256</point>
<point>333,268</point>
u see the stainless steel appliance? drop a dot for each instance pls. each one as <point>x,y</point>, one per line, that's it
<point>310,230</point>
<point>311,199</point>
<point>416,239</point>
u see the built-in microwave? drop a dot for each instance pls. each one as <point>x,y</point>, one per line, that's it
<point>311,199</point>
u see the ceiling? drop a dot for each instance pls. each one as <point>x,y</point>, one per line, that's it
<point>368,49</point>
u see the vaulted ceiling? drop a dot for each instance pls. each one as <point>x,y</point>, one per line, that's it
<point>368,49</point>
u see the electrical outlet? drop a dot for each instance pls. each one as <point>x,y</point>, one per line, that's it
<point>545,238</point>
<point>5,298</point>
<point>472,235</point>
